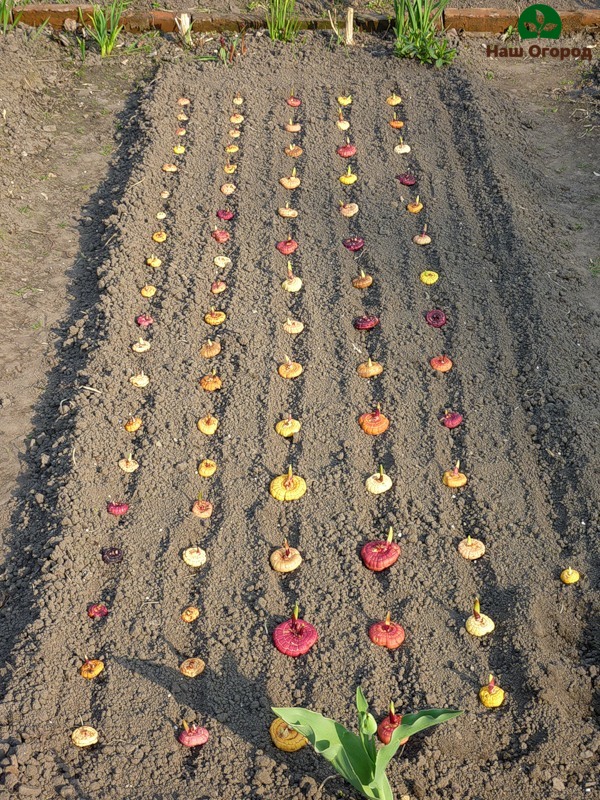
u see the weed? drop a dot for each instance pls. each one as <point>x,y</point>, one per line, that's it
<point>8,22</point>
<point>143,44</point>
<point>24,210</point>
<point>595,266</point>
<point>229,50</point>
<point>509,33</point>
<point>104,27</point>
<point>254,5</point>
<point>416,34</point>
<point>489,75</point>
<point>37,325</point>
<point>35,35</point>
<point>282,22</point>
<point>22,292</point>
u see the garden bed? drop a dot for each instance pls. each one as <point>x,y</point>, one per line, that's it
<point>524,378</point>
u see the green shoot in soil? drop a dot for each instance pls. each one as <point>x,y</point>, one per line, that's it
<point>7,21</point>
<point>416,34</point>
<point>282,21</point>
<point>104,27</point>
<point>357,758</point>
<point>35,35</point>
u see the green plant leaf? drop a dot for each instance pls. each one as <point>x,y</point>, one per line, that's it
<point>333,741</point>
<point>351,755</point>
<point>366,726</point>
<point>411,724</point>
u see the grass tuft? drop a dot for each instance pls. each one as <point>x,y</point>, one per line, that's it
<point>103,26</point>
<point>282,21</point>
<point>416,32</point>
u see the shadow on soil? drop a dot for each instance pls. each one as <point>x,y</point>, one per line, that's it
<point>35,528</point>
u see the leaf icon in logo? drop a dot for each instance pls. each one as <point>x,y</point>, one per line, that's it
<point>539,21</point>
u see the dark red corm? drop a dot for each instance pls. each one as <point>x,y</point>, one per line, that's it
<point>287,247</point>
<point>294,637</point>
<point>294,102</point>
<point>117,509</point>
<point>111,555</point>
<point>353,243</point>
<point>451,419</point>
<point>346,150</point>
<point>97,611</point>
<point>436,318</point>
<point>193,735</point>
<point>366,323</point>
<point>380,553</point>
<point>388,725</point>
<point>407,179</point>
<point>225,214</point>
<point>144,321</point>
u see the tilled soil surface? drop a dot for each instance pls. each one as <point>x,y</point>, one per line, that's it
<point>522,332</point>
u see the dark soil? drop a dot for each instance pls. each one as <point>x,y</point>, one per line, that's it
<point>510,209</point>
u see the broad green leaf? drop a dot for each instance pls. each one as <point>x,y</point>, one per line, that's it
<point>411,724</point>
<point>366,727</point>
<point>340,747</point>
<point>361,701</point>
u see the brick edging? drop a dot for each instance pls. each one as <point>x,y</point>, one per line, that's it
<point>471,20</point>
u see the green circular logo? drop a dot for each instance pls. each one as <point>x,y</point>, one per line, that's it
<point>539,22</point>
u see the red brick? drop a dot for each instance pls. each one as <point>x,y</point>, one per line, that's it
<point>371,22</point>
<point>480,20</point>
<point>136,21</point>
<point>56,15</point>
<point>473,20</point>
<point>163,21</point>
<point>577,20</point>
<point>590,19</point>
